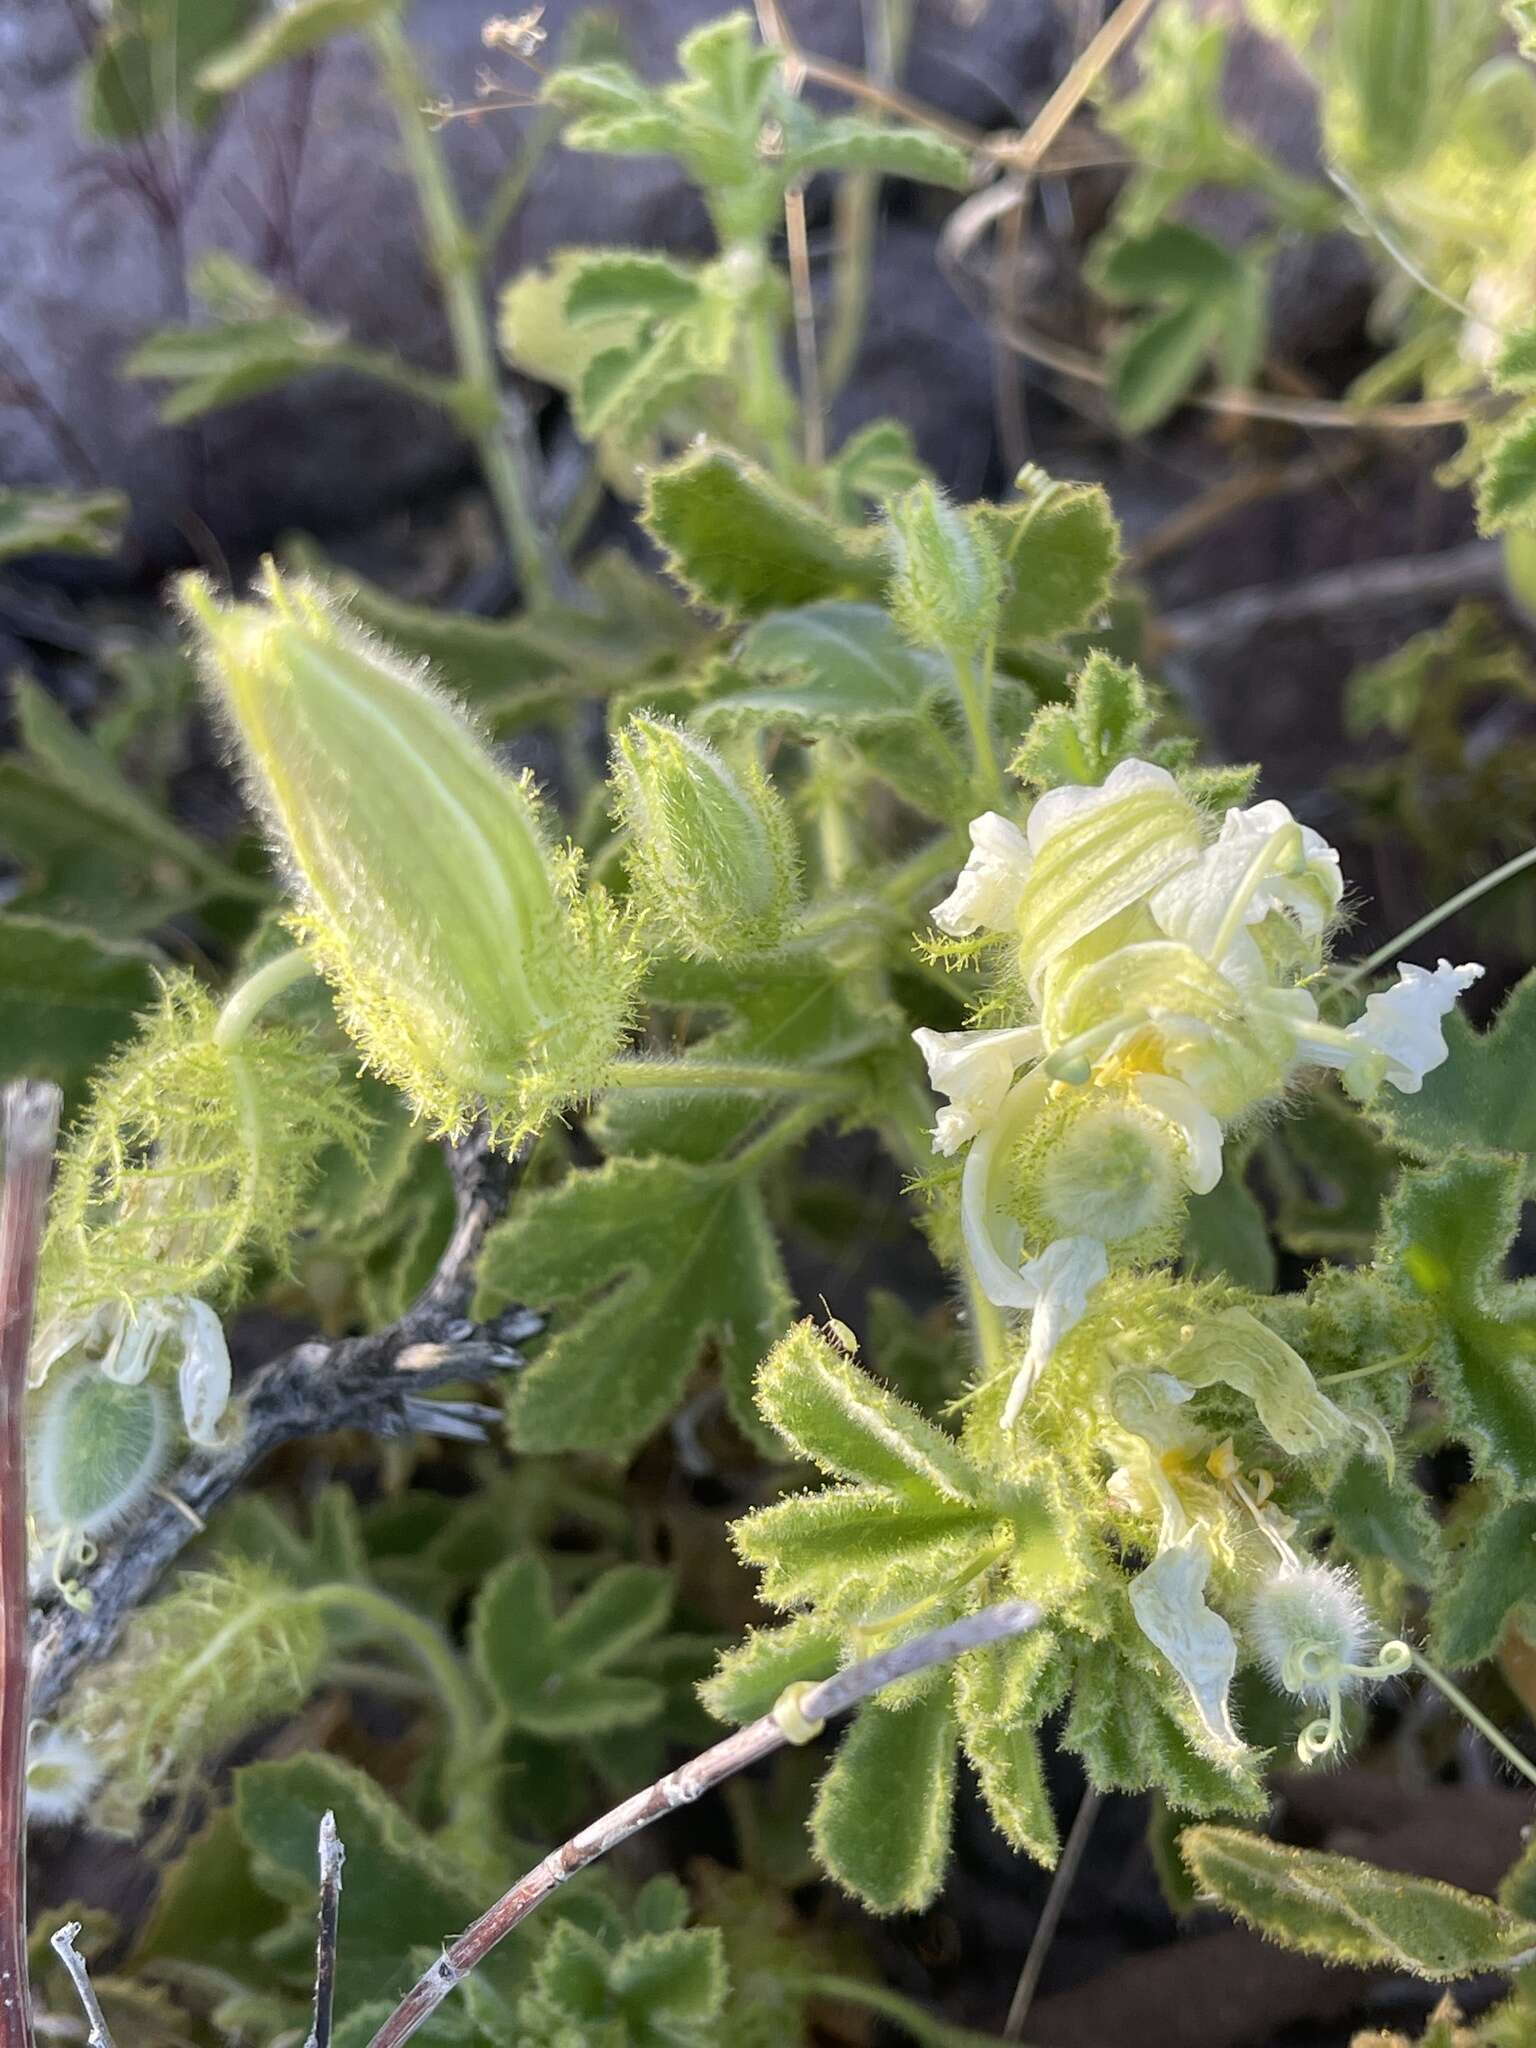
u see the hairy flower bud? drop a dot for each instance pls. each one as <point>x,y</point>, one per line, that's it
<point>712,855</point>
<point>97,1448</point>
<point>946,582</point>
<point>466,963</point>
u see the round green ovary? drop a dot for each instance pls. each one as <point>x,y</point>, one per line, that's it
<point>1113,1175</point>
<point>98,1449</point>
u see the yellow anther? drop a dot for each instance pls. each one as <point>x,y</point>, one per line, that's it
<point>1222,1463</point>
<point>794,1724</point>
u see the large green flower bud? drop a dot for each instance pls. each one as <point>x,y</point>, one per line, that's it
<point>712,853</point>
<point>467,964</point>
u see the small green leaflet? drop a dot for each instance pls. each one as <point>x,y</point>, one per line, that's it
<point>145,66</point>
<point>1489,1579</point>
<point>1445,1239</point>
<point>658,1257</point>
<point>881,1821</point>
<point>1506,489</point>
<point>40,522</point>
<point>403,1892</point>
<point>1351,1912</point>
<point>553,1676</point>
<point>738,541</point>
<point>67,999</point>
<point>1483,1095</point>
<point>657,1990</point>
<point>1210,305</point>
<point>1060,547</point>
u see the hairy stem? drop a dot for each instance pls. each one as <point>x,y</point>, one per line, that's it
<point>1479,1720</point>
<point>31,1121</point>
<point>1473,892</point>
<point>821,1703</point>
<point>456,258</point>
<point>735,1076</point>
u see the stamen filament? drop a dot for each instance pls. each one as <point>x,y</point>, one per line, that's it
<point>1280,852</point>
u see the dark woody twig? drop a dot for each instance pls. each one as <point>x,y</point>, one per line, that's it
<point>798,1719</point>
<point>373,1383</point>
<point>31,1121</point>
<point>332,1857</point>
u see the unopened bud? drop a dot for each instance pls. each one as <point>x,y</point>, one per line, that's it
<point>947,582</point>
<point>97,1449</point>
<point>712,854</point>
<point>466,963</point>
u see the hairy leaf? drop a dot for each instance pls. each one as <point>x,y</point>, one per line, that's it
<point>1060,548</point>
<point>1445,1240</point>
<point>882,1813</point>
<point>1489,1579</point>
<point>67,999</point>
<point>1351,1912</point>
<point>659,1257</point>
<point>1482,1096</point>
<point>740,542</point>
<point>553,1675</point>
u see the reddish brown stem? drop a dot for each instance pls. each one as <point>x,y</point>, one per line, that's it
<point>31,1120</point>
<point>818,1705</point>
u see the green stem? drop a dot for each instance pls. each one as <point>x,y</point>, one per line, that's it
<point>776,1138</point>
<point>924,2028</point>
<point>974,692</point>
<point>456,257</point>
<point>928,865</point>
<point>1478,1719</point>
<point>382,1616</point>
<point>767,405</point>
<point>1449,908</point>
<point>247,1002</point>
<point>738,1076</point>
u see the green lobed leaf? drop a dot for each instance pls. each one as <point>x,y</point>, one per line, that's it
<point>1136,1732</point>
<point>1506,489</point>
<point>874,464</point>
<point>656,1990</point>
<point>43,522</point>
<point>1156,363</point>
<point>749,1679</point>
<point>739,542</point>
<point>1489,1579</point>
<point>1445,1238</point>
<point>829,1411</point>
<point>848,142</point>
<point>630,284</point>
<point>552,1675</point>
<point>1374,1518</point>
<point>1482,1097</point>
<point>210,1910</point>
<point>403,1893</point>
<point>67,999</point>
<point>659,1257</point>
<point>286,33</point>
<point>1351,1912</point>
<point>1226,1236</point>
<point>145,67</point>
<point>1060,548</point>
<point>996,1703</point>
<point>1107,719</point>
<point>882,1815</point>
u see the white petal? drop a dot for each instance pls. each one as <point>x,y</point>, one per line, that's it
<point>1168,1600</point>
<point>975,1070</point>
<point>992,1239</point>
<point>986,893</point>
<point>1060,807</point>
<point>1178,1104</point>
<point>204,1376</point>
<point>136,1339</point>
<point>1400,1036</point>
<point>1063,1277</point>
<point>1310,897</point>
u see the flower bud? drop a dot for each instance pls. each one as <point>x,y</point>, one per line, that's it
<point>1309,1625</point>
<point>712,854</point>
<point>97,1449</point>
<point>62,1773</point>
<point>1115,1173</point>
<point>947,582</point>
<point>466,963</point>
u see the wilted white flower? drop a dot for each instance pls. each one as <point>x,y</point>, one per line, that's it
<point>1168,1600</point>
<point>986,893</point>
<point>975,1069</point>
<point>126,1343</point>
<point>1400,1039</point>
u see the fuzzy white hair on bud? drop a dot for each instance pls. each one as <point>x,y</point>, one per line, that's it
<point>1311,1629</point>
<point>98,1447</point>
<point>62,1773</point>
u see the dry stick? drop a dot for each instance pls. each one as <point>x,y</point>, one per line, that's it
<point>63,1946</point>
<point>31,1122</point>
<point>332,1857</point>
<point>814,1707</point>
<point>1366,586</point>
<point>813,425</point>
<point>373,1383</point>
<point>1050,1919</point>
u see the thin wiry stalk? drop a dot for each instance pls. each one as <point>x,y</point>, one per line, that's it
<point>63,1946</point>
<point>332,1857</point>
<point>31,1122</point>
<point>749,1745</point>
